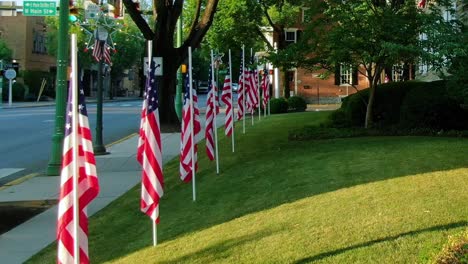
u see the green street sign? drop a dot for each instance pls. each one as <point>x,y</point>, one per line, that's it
<point>42,8</point>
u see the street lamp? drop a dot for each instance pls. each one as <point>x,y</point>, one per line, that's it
<point>55,163</point>
<point>101,35</point>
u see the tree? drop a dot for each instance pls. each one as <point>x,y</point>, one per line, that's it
<point>5,52</point>
<point>161,32</point>
<point>280,15</point>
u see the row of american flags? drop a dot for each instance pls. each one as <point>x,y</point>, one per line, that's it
<point>79,180</point>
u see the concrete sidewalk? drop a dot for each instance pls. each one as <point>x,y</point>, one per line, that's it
<point>118,172</point>
<point>89,100</point>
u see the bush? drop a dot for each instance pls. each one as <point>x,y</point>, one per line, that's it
<point>388,100</point>
<point>297,104</point>
<point>33,80</point>
<point>430,106</point>
<point>18,91</point>
<point>455,251</point>
<point>278,105</point>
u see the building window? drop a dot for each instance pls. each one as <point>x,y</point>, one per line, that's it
<point>39,43</point>
<point>346,74</point>
<point>449,12</point>
<point>305,14</point>
<point>290,35</point>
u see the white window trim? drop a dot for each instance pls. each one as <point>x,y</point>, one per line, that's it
<point>346,70</point>
<point>304,9</point>
<point>289,30</point>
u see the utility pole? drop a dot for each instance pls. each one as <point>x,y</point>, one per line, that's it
<point>99,148</point>
<point>55,162</point>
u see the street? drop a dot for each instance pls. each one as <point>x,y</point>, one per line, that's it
<point>26,134</point>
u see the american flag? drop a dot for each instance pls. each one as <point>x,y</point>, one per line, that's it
<point>187,135</point>
<point>88,184</point>
<point>101,51</point>
<point>252,91</point>
<point>226,97</point>
<point>149,152</point>
<point>241,93</point>
<point>422,3</point>
<point>265,88</point>
<point>212,110</point>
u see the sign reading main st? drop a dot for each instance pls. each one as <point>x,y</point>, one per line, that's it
<point>39,8</point>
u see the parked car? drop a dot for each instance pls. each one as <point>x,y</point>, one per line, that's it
<point>235,87</point>
<point>202,87</point>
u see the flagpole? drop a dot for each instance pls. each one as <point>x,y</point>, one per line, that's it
<point>252,82</point>
<point>76,206</point>
<point>213,89</point>
<point>150,61</point>
<point>243,89</point>
<point>232,104</point>
<point>192,137</point>
<point>259,91</point>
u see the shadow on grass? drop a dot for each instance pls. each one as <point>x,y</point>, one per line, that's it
<point>265,172</point>
<point>376,241</point>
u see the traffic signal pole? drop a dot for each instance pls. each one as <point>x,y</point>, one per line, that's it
<point>55,163</point>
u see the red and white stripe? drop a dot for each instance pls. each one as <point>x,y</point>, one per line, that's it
<point>185,167</point>
<point>265,90</point>
<point>97,50</point>
<point>252,94</point>
<point>240,99</point>
<point>152,175</point>
<point>212,110</point>
<point>88,190</point>
<point>226,97</point>
<point>152,181</point>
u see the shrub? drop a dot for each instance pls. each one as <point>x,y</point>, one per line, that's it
<point>33,80</point>
<point>297,104</point>
<point>278,105</point>
<point>18,91</point>
<point>388,100</point>
<point>455,251</point>
<point>430,106</point>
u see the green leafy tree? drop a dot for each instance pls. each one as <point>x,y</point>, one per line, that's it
<point>5,52</point>
<point>160,28</point>
<point>371,36</point>
<point>280,15</point>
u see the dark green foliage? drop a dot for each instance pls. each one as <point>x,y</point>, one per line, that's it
<point>430,106</point>
<point>278,105</point>
<point>407,105</point>
<point>18,90</point>
<point>324,132</point>
<point>297,104</point>
<point>33,80</point>
<point>388,99</point>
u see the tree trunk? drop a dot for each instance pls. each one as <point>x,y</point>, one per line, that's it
<point>370,103</point>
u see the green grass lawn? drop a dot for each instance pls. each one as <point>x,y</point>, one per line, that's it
<point>354,200</point>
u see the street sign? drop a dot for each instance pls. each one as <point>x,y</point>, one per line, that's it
<point>159,66</point>
<point>92,11</point>
<point>10,74</point>
<point>42,8</point>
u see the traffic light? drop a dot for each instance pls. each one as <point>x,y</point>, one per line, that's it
<point>73,9</point>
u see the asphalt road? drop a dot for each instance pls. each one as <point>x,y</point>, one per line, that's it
<point>26,134</point>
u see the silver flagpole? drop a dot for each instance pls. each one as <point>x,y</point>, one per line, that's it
<point>74,102</point>
<point>215,94</point>
<point>243,89</point>
<point>192,136</point>
<point>232,104</point>
<point>150,61</point>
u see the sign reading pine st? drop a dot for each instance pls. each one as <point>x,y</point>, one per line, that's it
<point>39,8</point>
